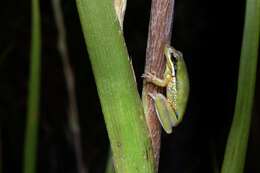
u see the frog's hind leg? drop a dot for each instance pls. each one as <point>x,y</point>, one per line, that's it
<point>164,111</point>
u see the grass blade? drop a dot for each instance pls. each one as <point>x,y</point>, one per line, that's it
<point>30,146</point>
<point>236,147</point>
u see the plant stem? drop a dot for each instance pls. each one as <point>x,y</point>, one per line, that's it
<point>120,6</point>
<point>120,101</point>
<point>160,28</point>
<point>31,136</point>
<point>236,147</point>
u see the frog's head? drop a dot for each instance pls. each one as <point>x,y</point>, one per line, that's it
<point>170,60</point>
<point>174,58</point>
<point>177,59</point>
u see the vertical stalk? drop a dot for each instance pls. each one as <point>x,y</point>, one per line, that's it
<point>160,28</point>
<point>120,101</point>
<point>236,147</point>
<point>120,6</point>
<point>31,134</point>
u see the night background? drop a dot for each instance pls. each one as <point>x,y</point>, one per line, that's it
<point>209,33</point>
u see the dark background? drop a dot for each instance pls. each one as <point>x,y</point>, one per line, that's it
<point>208,33</point>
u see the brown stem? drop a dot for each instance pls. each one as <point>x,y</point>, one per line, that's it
<point>160,28</point>
<point>70,84</point>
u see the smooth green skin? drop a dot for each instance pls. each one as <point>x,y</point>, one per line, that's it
<point>118,94</point>
<point>170,109</point>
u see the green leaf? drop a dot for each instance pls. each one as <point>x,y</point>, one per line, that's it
<point>235,153</point>
<point>30,145</point>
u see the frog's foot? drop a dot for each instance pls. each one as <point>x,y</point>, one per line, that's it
<point>149,77</point>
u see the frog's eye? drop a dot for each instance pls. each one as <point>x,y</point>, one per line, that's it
<point>174,58</point>
<point>176,54</point>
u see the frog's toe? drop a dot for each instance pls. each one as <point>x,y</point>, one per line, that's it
<point>152,95</point>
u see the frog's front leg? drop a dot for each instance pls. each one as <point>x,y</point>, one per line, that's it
<point>165,112</point>
<point>149,77</point>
